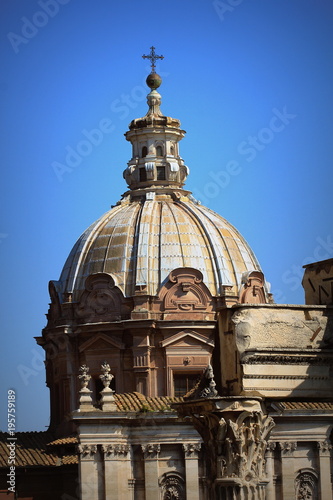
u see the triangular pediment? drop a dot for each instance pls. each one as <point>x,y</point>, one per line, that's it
<point>101,341</point>
<point>187,338</point>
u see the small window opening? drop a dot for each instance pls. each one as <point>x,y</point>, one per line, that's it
<point>144,151</point>
<point>160,171</point>
<point>142,174</point>
<point>159,151</point>
<point>172,151</point>
<point>183,383</point>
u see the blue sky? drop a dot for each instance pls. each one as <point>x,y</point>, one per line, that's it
<point>251,82</point>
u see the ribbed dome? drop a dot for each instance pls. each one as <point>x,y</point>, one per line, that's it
<point>141,242</point>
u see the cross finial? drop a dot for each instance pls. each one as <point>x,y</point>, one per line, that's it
<point>153,57</point>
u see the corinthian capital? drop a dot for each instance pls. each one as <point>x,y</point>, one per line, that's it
<point>287,447</point>
<point>151,450</point>
<point>324,446</point>
<point>191,449</point>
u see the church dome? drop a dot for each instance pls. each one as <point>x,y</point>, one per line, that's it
<point>157,226</point>
<point>140,242</point>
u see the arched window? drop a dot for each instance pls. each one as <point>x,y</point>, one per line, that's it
<point>159,151</point>
<point>172,150</point>
<point>144,151</point>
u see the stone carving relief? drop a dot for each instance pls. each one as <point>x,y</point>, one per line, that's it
<point>151,450</point>
<point>185,291</point>
<point>206,387</point>
<point>245,444</point>
<point>287,447</point>
<point>87,451</point>
<point>236,447</point>
<point>324,447</point>
<point>115,450</point>
<point>172,485</point>
<point>306,485</point>
<point>191,450</point>
<point>100,298</point>
<point>243,331</point>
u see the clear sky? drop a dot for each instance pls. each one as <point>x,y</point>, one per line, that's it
<point>251,82</point>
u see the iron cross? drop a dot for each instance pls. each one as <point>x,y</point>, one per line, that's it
<point>153,57</point>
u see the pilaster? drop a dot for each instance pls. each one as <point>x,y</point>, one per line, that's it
<point>117,471</point>
<point>89,472</point>
<point>191,451</point>
<point>151,454</point>
<point>325,485</point>
<point>288,473</point>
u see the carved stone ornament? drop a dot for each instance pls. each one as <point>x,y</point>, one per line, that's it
<point>172,485</point>
<point>244,447</point>
<point>106,377</point>
<point>306,485</point>
<point>185,291</point>
<point>100,298</point>
<point>84,378</point>
<point>191,450</point>
<point>206,387</point>
<point>324,447</point>
<point>235,450</point>
<point>87,451</point>
<point>151,450</point>
<point>287,447</point>
<point>115,450</point>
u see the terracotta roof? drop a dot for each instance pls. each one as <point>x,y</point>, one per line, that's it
<point>66,440</point>
<point>32,450</point>
<point>307,405</point>
<point>138,402</point>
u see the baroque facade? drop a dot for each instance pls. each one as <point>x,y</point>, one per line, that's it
<point>172,372</point>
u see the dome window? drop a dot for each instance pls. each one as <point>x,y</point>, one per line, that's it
<point>172,151</point>
<point>144,151</point>
<point>160,171</point>
<point>159,151</point>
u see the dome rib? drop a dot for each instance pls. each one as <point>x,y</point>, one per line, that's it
<point>212,216</point>
<point>123,229</point>
<point>81,250</point>
<point>171,207</point>
<point>214,248</point>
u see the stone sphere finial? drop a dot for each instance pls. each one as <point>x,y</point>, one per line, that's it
<point>153,81</point>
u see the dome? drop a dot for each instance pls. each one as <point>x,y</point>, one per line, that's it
<point>140,242</point>
<point>157,227</point>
